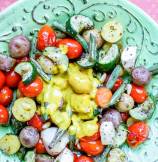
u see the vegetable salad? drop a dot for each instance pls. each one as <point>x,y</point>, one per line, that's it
<point>74,94</point>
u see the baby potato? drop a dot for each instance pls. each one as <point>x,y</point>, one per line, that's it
<point>9,144</point>
<point>29,136</point>
<point>97,35</point>
<point>141,76</point>
<point>19,46</point>
<point>113,116</point>
<point>125,104</point>
<point>24,109</point>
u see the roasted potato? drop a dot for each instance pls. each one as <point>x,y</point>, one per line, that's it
<point>19,46</point>
<point>113,116</point>
<point>125,103</point>
<point>29,136</point>
<point>6,62</point>
<point>141,76</point>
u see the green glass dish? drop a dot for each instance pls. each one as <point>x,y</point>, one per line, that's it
<point>27,16</point>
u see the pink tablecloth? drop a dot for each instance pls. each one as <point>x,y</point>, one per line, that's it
<point>150,6</point>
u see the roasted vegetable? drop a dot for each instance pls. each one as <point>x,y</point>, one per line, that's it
<point>125,103</point>
<point>19,46</point>
<point>30,156</point>
<point>27,71</point>
<point>59,59</point>
<point>77,23</point>
<point>96,34</point>
<point>143,111</point>
<point>106,61</point>
<point>29,136</point>
<point>141,76</point>
<point>121,136</point>
<point>117,155</point>
<point>113,116</point>
<point>24,109</point>
<point>9,144</point>
<point>65,155</point>
<point>46,64</point>
<point>49,136</point>
<point>107,133</point>
<point>112,31</point>
<point>128,58</point>
<point>43,158</point>
<point>88,59</point>
<point>6,62</point>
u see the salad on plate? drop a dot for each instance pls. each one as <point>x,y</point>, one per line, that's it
<point>74,94</point>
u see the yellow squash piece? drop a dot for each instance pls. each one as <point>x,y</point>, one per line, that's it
<point>24,109</point>
<point>10,144</point>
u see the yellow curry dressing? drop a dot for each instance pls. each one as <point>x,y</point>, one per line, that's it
<point>69,100</point>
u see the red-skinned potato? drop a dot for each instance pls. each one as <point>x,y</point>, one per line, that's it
<point>29,136</point>
<point>113,116</point>
<point>141,76</point>
<point>19,46</point>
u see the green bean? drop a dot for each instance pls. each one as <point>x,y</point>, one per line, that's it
<point>113,77</point>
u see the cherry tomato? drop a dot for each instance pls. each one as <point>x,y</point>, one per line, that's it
<point>118,83</point>
<point>84,159</point>
<point>93,148</point>
<point>95,137</point>
<point>138,133</point>
<point>124,116</point>
<point>6,96</point>
<point>12,79</point>
<point>74,48</point>
<point>4,115</point>
<point>23,59</point>
<point>2,79</point>
<point>46,38</point>
<point>75,157</point>
<point>138,93</point>
<point>36,122</point>
<point>40,148</point>
<point>33,89</point>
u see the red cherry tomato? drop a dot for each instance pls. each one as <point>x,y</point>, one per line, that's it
<point>75,157</point>
<point>138,93</point>
<point>138,133</point>
<point>84,159</point>
<point>93,148</point>
<point>46,38</point>
<point>118,83</point>
<point>74,48</point>
<point>40,148</point>
<point>33,89</point>
<point>124,116</point>
<point>4,115</point>
<point>6,96</point>
<point>23,59</point>
<point>36,122</point>
<point>2,79</point>
<point>12,79</point>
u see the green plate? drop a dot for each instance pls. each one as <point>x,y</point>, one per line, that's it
<point>26,16</point>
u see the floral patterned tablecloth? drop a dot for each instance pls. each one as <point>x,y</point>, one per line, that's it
<point>149,6</point>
